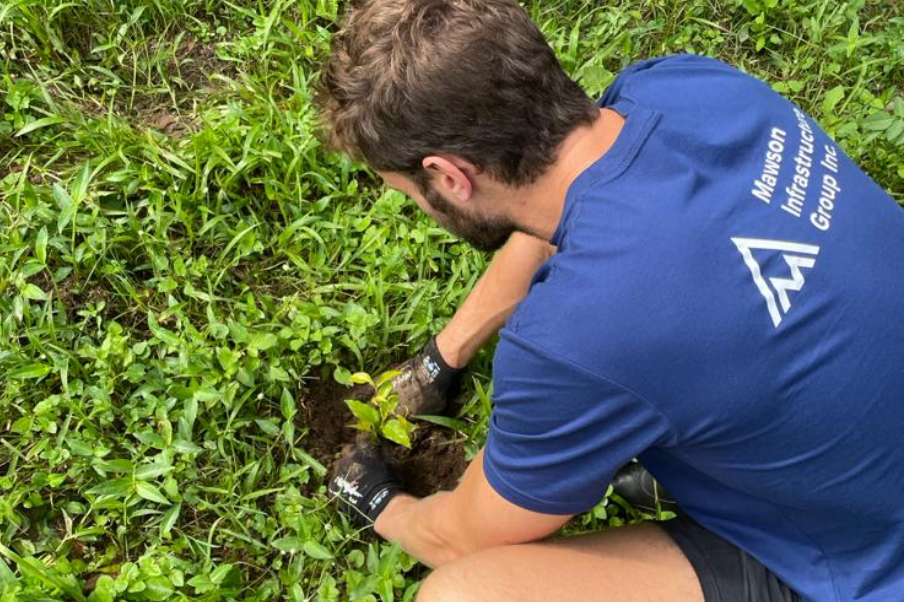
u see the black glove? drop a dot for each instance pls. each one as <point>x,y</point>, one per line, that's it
<point>426,383</point>
<point>363,481</point>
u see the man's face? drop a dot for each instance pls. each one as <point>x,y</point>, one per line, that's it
<point>486,233</point>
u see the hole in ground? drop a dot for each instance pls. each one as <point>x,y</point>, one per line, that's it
<point>435,461</point>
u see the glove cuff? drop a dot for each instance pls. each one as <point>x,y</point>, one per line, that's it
<point>435,364</point>
<point>364,483</point>
<point>383,494</point>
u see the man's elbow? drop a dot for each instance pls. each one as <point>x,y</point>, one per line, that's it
<point>454,542</point>
<point>457,541</point>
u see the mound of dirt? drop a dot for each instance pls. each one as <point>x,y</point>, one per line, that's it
<point>434,463</point>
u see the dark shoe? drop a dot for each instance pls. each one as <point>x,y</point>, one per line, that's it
<point>638,487</point>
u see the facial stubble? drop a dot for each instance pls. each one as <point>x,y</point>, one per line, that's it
<point>483,233</point>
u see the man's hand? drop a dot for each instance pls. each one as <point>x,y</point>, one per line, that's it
<point>363,481</point>
<point>448,525</point>
<point>426,383</point>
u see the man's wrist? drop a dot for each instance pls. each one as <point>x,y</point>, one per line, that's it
<point>452,353</point>
<point>383,525</point>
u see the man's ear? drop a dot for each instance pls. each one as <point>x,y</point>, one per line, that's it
<point>451,177</point>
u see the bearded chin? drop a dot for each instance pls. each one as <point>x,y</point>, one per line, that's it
<point>485,234</point>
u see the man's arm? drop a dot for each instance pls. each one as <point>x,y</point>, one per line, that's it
<point>429,380</point>
<point>493,298</point>
<point>448,525</point>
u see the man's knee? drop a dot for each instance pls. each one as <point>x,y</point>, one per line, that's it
<point>443,586</point>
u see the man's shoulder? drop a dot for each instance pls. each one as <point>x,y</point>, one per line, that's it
<point>587,311</point>
<point>686,81</point>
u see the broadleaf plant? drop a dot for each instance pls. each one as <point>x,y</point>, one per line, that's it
<point>377,416</point>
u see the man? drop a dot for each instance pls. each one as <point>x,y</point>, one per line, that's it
<point>722,304</point>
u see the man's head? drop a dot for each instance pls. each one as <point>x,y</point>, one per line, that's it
<point>443,91</point>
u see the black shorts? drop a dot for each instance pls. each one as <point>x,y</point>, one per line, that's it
<point>726,573</point>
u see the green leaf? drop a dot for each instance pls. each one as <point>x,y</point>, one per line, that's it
<point>202,584</point>
<point>899,106</point>
<point>451,423</point>
<point>169,520</point>
<point>362,378</point>
<point>30,371</point>
<point>33,568</point>
<point>62,197</point>
<point>67,207</point>
<point>32,292</point>
<point>227,358</point>
<point>327,592</point>
<point>116,487</point>
<point>158,589</point>
<point>79,447</point>
<point>316,550</point>
<point>878,122</point>
<point>342,376</point>
<point>80,184</point>
<point>115,465</point>
<point>150,493</point>
<point>38,124</point>
<point>150,439</point>
<point>311,461</point>
<point>596,78</point>
<point>219,574</point>
<point>287,404</point>
<point>296,593</point>
<point>268,426</point>
<point>895,130</point>
<point>190,410</point>
<point>206,394</point>
<point>104,590</point>
<point>147,472</point>
<point>398,431</point>
<point>23,425</point>
<point>289,544</point>
<point>364,412</point>
<point>7,577</point>
<point>386,379</point>
<point>263,341</point>
<point>186,447</point>
<point>161,333</point>
<point>385,589</point>
<point>833,97</point>
<point>41,245</point>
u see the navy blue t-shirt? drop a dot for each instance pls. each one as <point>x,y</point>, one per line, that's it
<point>727,305</point>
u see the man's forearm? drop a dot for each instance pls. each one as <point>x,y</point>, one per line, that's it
<point>493,298</point>
<point>450,524</point>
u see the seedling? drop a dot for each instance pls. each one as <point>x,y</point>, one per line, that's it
<point>378,416</point>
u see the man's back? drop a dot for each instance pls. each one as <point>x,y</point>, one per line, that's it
<point>724,304</point>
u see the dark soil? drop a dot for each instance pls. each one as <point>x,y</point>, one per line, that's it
<point>189,70</point>
<point>195,61</point>
<point>434,463</point>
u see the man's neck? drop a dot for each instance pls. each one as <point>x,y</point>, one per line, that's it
<point>537,208</point>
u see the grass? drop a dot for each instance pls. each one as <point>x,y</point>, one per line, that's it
<point>181,263</point>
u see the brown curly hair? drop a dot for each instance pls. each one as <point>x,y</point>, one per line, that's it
<point>472,78</point>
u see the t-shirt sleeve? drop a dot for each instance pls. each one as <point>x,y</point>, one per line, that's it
<point>558,432</point>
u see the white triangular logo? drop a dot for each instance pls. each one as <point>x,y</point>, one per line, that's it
<point>796,255</point>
